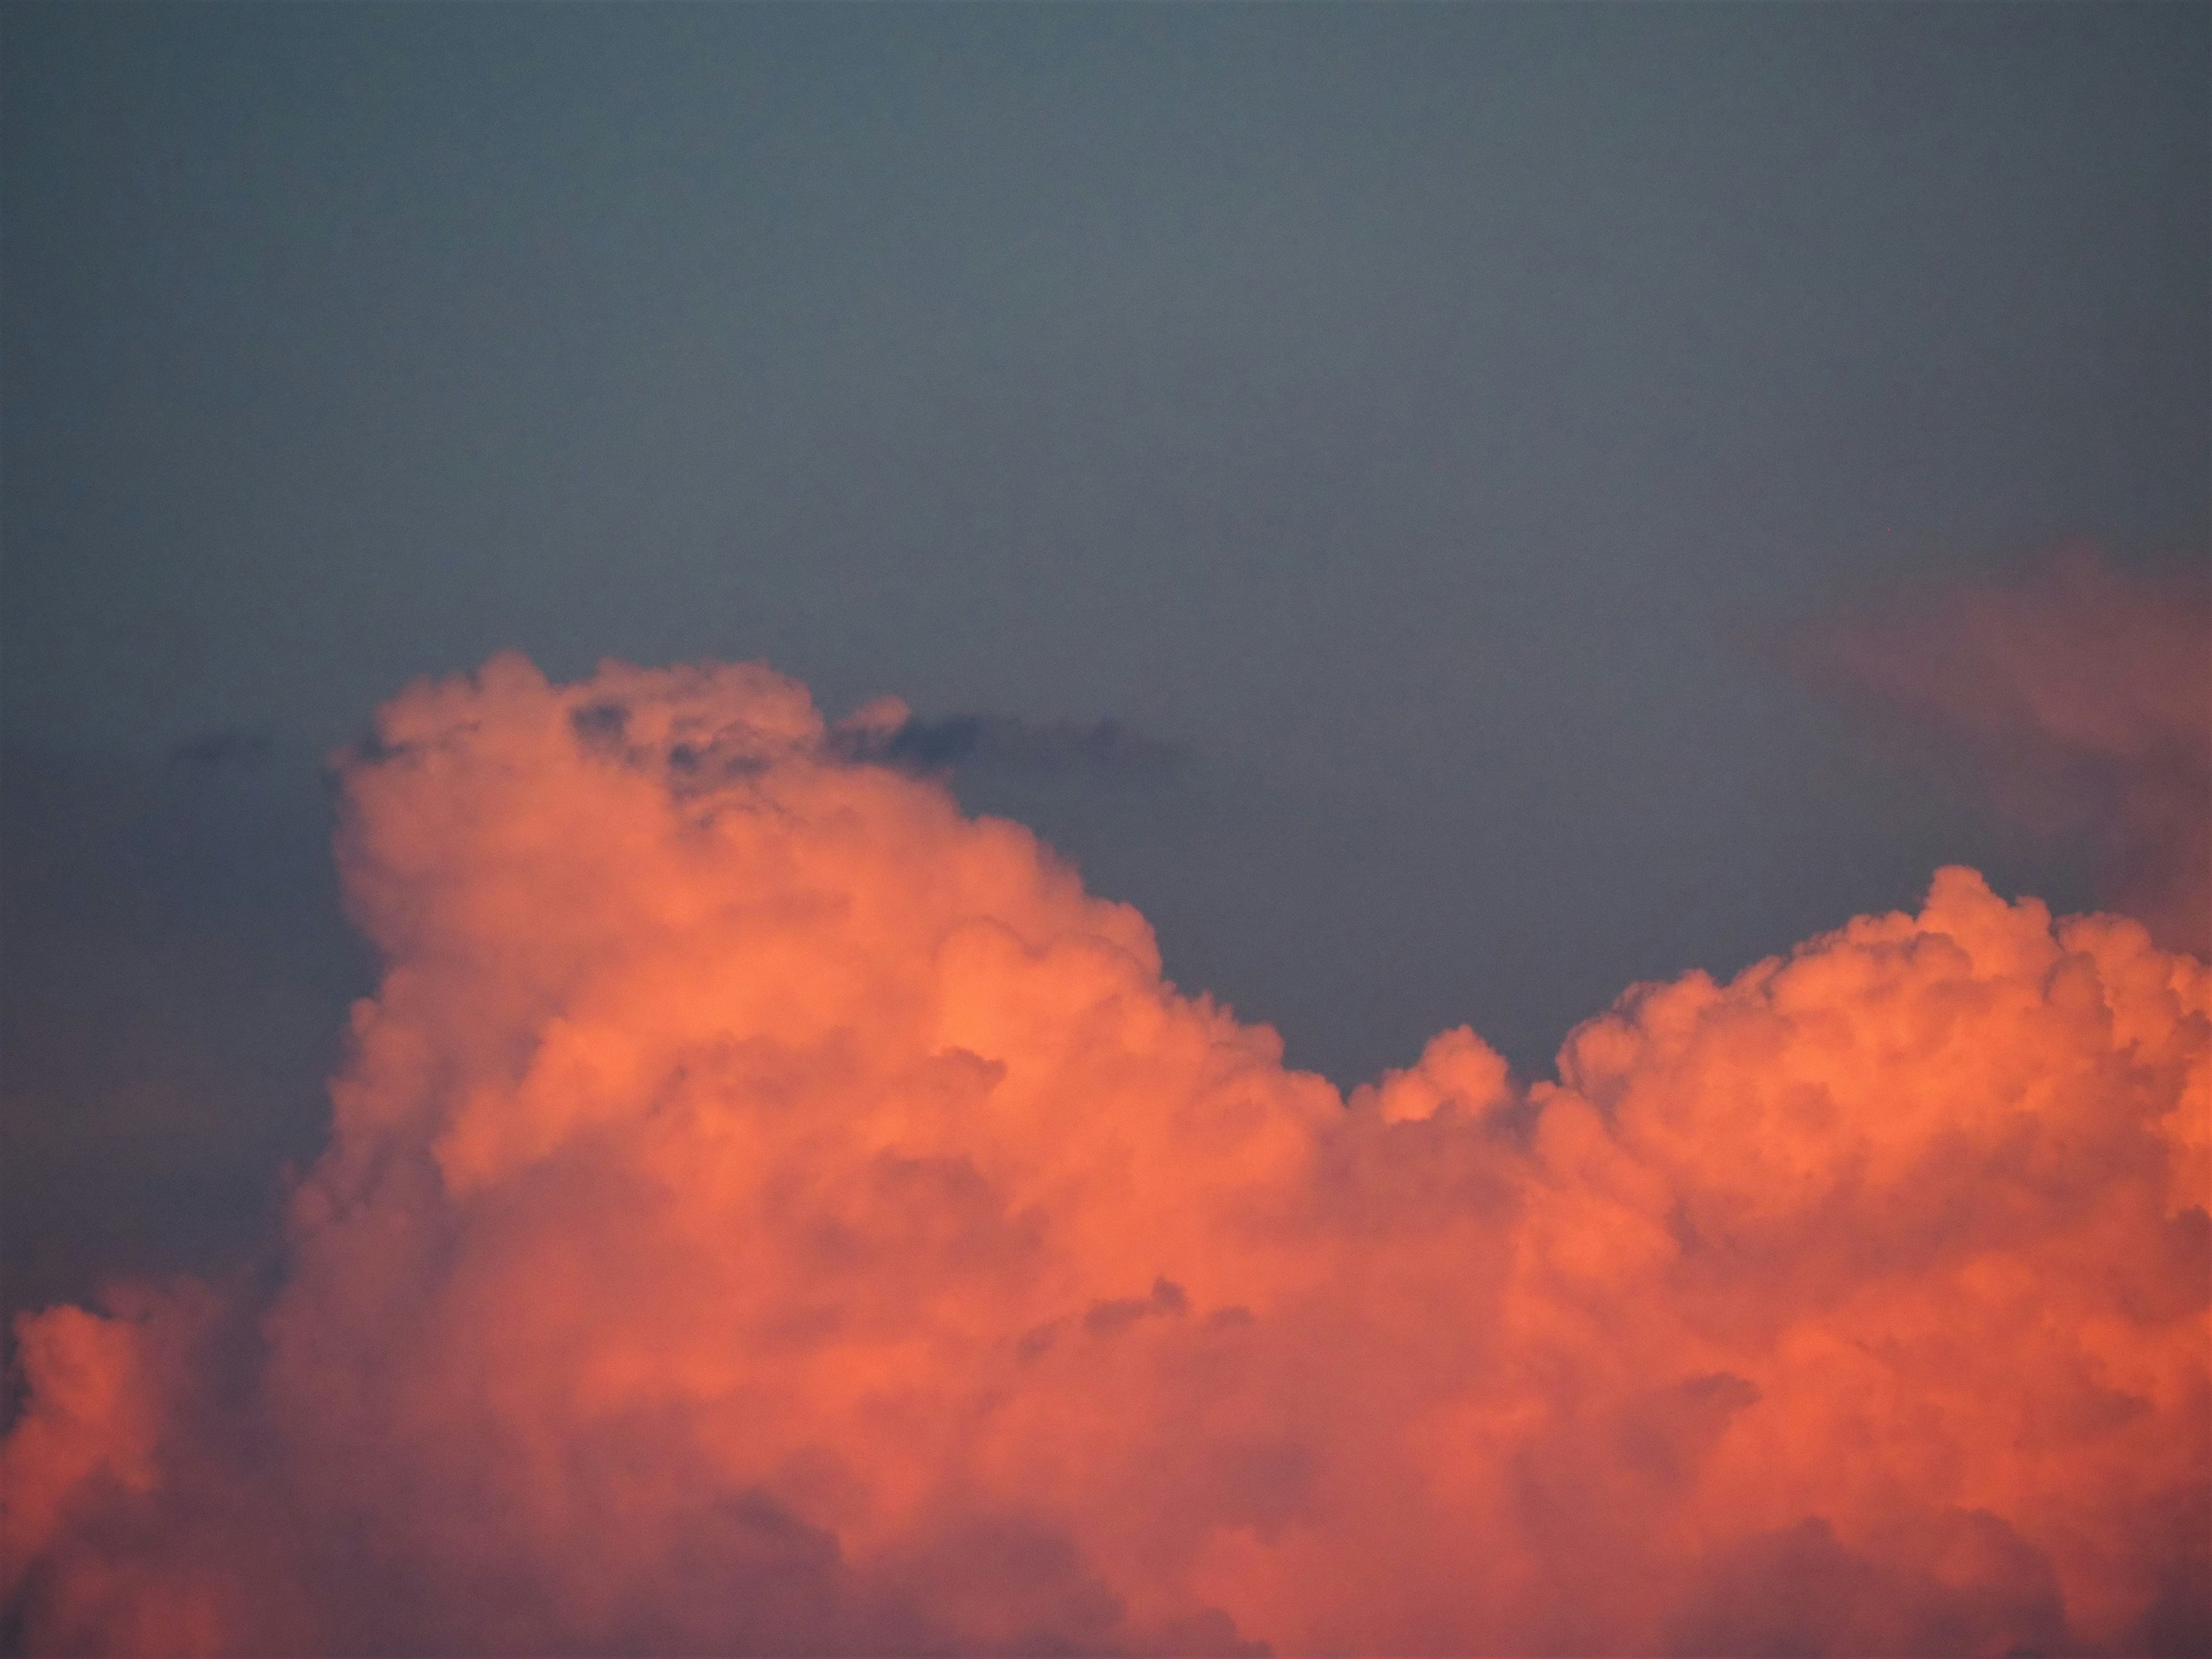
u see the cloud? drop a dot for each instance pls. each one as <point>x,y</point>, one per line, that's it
<point>886,732</point>
<point>2084,696</point>
<point>232,746</point>
<point>768,1211</point>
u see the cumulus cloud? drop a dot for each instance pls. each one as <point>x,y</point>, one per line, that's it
<point>2085,695</point>
<point>769,1211</point>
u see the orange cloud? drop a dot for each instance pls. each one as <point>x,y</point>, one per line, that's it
<point>2086,695</point>
<point>769,1211</point>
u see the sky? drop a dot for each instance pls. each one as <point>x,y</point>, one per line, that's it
<point>1449,512</point>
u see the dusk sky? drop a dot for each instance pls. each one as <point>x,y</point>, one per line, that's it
<point>1447,513</point>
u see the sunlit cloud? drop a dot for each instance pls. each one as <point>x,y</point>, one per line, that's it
<point>769,1211</point>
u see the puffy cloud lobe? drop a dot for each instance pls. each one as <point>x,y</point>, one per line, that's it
<point>767,1211</point>
<point>2087,695</point>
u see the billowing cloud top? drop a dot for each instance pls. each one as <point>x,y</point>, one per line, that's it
<point>768,1211</point>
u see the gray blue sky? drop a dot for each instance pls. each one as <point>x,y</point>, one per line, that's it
<point>1424,421</point>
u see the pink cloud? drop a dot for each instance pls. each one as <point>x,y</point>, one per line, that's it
<point>768,1211</point>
